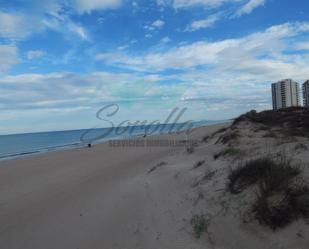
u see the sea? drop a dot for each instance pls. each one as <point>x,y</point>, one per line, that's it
<point>21,145</point>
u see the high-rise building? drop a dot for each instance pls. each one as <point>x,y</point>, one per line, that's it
<point>285,94</point>
<point>306,93</point>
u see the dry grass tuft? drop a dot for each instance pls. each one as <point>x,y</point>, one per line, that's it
<point>282,196</point>
<point>293,121</point>
<point>262,169</point>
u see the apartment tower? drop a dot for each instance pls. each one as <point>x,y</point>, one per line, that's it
<point>285,93</point>
<point>306,93</point>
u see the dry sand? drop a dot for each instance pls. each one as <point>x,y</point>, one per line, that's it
<point>130,198</point>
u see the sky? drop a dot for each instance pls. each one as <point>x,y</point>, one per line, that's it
<point>61,61</point>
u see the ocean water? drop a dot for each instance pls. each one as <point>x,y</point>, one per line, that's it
<point>17,145</point>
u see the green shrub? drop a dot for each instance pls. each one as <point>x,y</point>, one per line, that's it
<point>200,224</point>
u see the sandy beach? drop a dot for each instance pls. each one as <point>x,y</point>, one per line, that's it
<point>133,197</point>
<point>101,197</point>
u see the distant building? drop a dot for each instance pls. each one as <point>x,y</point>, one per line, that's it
<point>285,94</point>
<point>306,93</point>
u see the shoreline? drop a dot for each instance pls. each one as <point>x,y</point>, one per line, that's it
<point>80,145</point>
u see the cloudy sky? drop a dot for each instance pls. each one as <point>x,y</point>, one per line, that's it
<point>63,60</point>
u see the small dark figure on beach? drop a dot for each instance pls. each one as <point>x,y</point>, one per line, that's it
<point>89,145</point>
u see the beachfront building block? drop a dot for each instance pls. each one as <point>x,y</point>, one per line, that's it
<point>285,93</point>
<point>306,93</point>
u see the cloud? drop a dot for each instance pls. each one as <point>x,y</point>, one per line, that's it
<point>229,76</point>
<point>69,90</point>
<point>37,16</point>
<point>54,90</point>
<point>249,7</point>
<point>259,53</point>
<point>17,26</point>
<point>34,54</point>
<point>153,27</point>
<point>78,30</point>
<point>64,100</point>
<point>158,24</point>
<point>63,24</point>
<point>193,3</point>
<point>165,39</point>
<point>302,45</point>
<point>31,97</point>
<point>203,24</point>
<point>8,57</point>
<point>161,2</point>
<point>124,47</point>
<point>82,6</point>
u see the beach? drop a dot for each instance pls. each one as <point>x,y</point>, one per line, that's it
<point>123,195</point>
<point>101,197</point>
